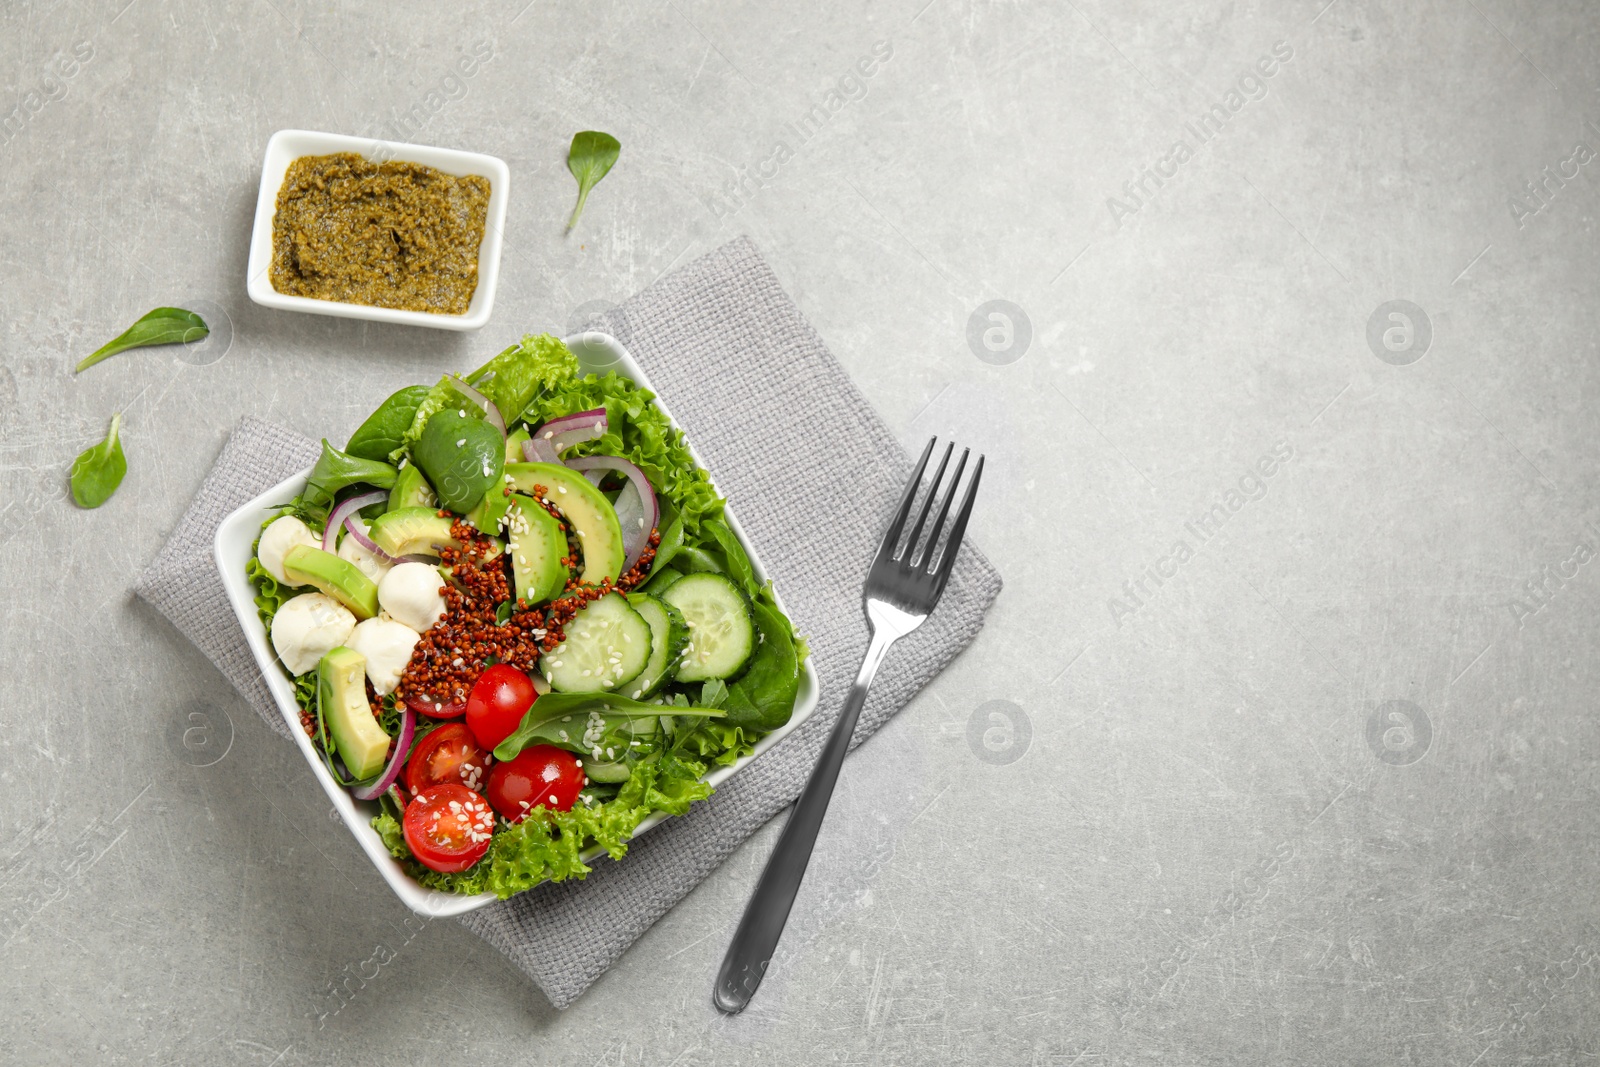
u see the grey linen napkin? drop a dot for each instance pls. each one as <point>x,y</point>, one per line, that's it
<point>811,472</point>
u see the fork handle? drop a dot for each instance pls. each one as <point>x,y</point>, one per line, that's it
<point>756,939</point>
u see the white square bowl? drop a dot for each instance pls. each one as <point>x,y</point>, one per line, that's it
<point>596,353</point>
<point>286,146</point>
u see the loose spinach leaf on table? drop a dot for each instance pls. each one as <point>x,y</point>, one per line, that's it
<point>98,470</point>
<point>163,326</point>
<point>589,159</point>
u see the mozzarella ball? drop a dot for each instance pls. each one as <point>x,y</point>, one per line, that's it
<point>308,626</point>
<point>387,645</point>
<point>278,538</point>
<point>410,594</point>
<point>355,552</point>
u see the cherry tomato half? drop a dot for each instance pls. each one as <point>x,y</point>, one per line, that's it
<point>540,775</point>
<point>499,698</point>
<point>447,754</point>
<point>448,827</point>
<point>434,709</point>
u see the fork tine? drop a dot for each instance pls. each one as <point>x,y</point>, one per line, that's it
<point>958,529</point>
<point>892,535</point>
<point>927,502</point>
<point>926,555</point>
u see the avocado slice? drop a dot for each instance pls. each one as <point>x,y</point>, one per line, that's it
<point>514,441</point>
<point>339,578</point>
<point>411,490</point>
<point>413,530</point>
<point>417,531</point>
<point>342,703</point>
<point>586,508</point>
<point>486,515</point>
<point>537,543</point>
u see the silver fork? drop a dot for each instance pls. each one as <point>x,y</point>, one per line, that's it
<point>902,588</point>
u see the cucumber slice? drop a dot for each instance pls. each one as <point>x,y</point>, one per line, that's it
<point>607,644</point>
<point>668,634</point>
<point>721,633</point>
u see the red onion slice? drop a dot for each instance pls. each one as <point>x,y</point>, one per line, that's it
<point>637,510</point>
<point>491,414</point>
<point>330,533</point>
<point>538,450</point>
<point>391,771</point>
<point>561,434</point>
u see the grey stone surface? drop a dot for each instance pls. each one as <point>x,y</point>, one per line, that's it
<point>1324,793</point>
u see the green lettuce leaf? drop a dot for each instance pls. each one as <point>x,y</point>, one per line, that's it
<point>513,378</point>
<point>719,742</point>
<point>270,593</point>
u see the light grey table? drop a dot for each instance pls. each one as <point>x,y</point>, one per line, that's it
<point>1281,744</point>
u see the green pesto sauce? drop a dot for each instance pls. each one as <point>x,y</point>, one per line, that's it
<point>389,235</point>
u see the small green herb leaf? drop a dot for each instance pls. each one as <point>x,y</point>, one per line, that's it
<point>98,470</point>
<point>502,613</point>
<point>163,326</point>
<point>589,159</point>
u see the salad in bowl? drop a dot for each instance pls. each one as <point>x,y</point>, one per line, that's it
<point>518,623</point>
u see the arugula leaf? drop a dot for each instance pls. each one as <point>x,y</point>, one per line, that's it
<point>590,158</point>
<point>163,326</point>
<point>385,428</point>
<point>98,470</point>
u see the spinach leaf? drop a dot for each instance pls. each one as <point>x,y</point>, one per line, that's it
<point>462,457</point>
<point>671,542</point>
<point>589,159</point>
<point>98,470</point>
<point>163,326</point>
<point>334,471</point>
<point>386,428</point>
<point>562,719</point>
<point>439,397</point>
<point>738,563</point>
<point>763,696</point>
